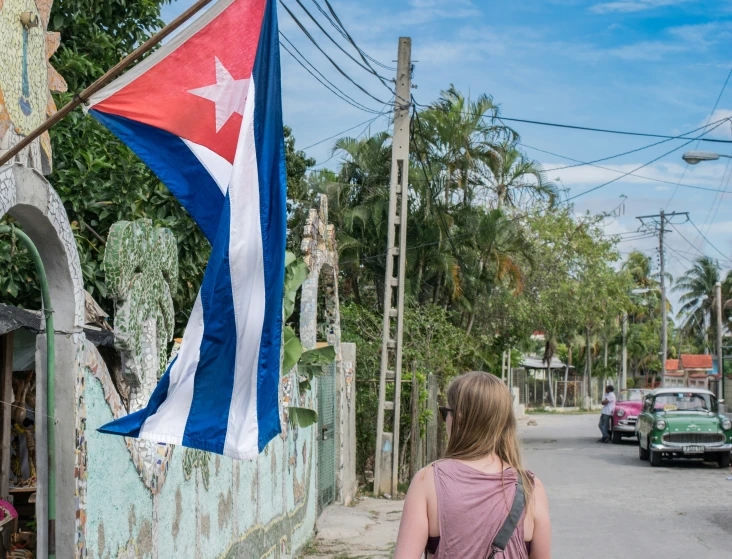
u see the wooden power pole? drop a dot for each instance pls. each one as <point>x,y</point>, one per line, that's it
<point>386,461</point>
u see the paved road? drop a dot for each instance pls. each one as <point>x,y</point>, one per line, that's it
<point>606,503</point>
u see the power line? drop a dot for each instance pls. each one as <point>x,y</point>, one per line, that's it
<point>364,56</point>
<point>632,173</point>
<point>332,88</point>
<point>312,39</point>
<point>681,136</point>
<point>637,168</point>
<point>344,131</point>
<point>707,240</point>
<point>587,128</point>
<point>345,35</point>
<point>369,69</point>
<point>367,123</point>
<point>692,245</point>
<point>686,168</point>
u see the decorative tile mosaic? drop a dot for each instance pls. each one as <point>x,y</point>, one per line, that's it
<point>141,267</point>
<point>27,77</point>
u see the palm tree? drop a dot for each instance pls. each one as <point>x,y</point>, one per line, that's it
<point>512,175</point>
<point>697,286</point>
<point>460,135</point>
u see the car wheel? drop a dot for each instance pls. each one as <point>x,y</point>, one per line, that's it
<point>617,437</point>
<point>642,452</point>
<point>654,457</point>
<point>724,460</point>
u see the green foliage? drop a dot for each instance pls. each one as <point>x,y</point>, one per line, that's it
<point>309,363</point>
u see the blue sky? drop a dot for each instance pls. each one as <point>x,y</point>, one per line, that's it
<point>653,66</point>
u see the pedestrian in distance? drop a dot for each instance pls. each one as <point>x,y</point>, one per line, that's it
<point>478,502</point>
<point>606,416</point>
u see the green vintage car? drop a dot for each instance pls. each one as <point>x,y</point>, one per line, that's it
<point>683,423</point>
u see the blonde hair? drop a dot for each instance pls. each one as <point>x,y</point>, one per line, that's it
<point>483,423</point>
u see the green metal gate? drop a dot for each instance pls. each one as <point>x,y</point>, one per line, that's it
<point>326,437</point>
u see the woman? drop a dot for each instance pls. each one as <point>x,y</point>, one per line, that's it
<point>456,506</point>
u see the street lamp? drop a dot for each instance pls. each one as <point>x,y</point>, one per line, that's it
<point>694,157</point>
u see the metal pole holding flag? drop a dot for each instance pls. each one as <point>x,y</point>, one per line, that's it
<point>105,79</point>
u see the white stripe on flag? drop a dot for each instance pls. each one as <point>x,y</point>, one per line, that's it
<point>169,423</point>
<point>246,261</point>
<point>218,167</point>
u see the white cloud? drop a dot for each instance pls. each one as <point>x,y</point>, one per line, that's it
<point>631,6</point>
<point>724,131</point>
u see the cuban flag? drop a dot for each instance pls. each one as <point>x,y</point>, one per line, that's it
<point>204,112</point>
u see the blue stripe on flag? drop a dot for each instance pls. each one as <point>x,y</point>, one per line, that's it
<point>269,140</point>
<point>175,165</point>
<point>214,381</point>
<point>130,425</point>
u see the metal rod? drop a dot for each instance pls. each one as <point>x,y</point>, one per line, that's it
<point>51,376</point>
<point>104,80</point>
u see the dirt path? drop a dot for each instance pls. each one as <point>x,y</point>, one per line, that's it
<point>367,530</point>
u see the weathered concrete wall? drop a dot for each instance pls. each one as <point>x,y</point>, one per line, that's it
<point>346,480</point>
<point>208,507</point>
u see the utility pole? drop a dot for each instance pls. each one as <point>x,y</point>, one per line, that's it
<point>720,357</point>
<point>386,462</point>
<point>664,317</point>
<point>624,381</point>
<point>657,223</point>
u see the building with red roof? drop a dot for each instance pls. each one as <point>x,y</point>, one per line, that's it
<point>691,371</point>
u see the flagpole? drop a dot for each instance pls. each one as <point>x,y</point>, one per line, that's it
<point>105,79</point>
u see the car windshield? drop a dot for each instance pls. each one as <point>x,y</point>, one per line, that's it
<point>631,396</point>
<point>684,401</point>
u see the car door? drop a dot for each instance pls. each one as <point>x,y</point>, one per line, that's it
<point>645,420</point>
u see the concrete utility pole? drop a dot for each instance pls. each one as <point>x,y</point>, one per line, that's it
<point>657,223</point>
<point>720,357</point>
<point>664,316</point>
<point>624,381</point>
<point>386,461</point>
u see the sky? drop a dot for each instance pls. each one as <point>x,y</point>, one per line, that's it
<point>650,66</point>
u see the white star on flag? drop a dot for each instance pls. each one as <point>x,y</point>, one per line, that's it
<point>229,95</point>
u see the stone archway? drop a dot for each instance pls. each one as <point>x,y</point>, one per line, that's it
<point>35,205</point>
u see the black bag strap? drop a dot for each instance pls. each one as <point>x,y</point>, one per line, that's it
<point>509,525</point>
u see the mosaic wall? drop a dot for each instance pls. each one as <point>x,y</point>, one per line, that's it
<point>215,508</point>
<point>27,78</point>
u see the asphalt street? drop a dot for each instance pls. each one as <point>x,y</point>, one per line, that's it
<point>606,503</point>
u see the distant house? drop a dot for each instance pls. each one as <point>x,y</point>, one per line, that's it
<point>695,371</point>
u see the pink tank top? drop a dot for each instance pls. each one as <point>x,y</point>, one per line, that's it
<point>472,506</point>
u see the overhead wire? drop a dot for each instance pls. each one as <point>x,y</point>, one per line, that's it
<point>680,136</point>
<point>345,35</point>
<point>368,68</point>
<point>332,88</point>
<point>707,240</point>
<point>335,151</point>
<point>594,188</point>
<point>369,121</point>
<point>711,114</point>
<point>588,128</point>
<point>632,173</point>
<point>333,62</point>
<point>364,56</point>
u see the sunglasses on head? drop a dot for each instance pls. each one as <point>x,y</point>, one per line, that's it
<point>444,410</point>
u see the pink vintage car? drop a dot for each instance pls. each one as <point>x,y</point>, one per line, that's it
<point>627,407</point>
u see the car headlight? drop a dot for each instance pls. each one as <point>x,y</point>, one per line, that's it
<point>620,413</point>
<point>660,424</point>
<point>726,424</point>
